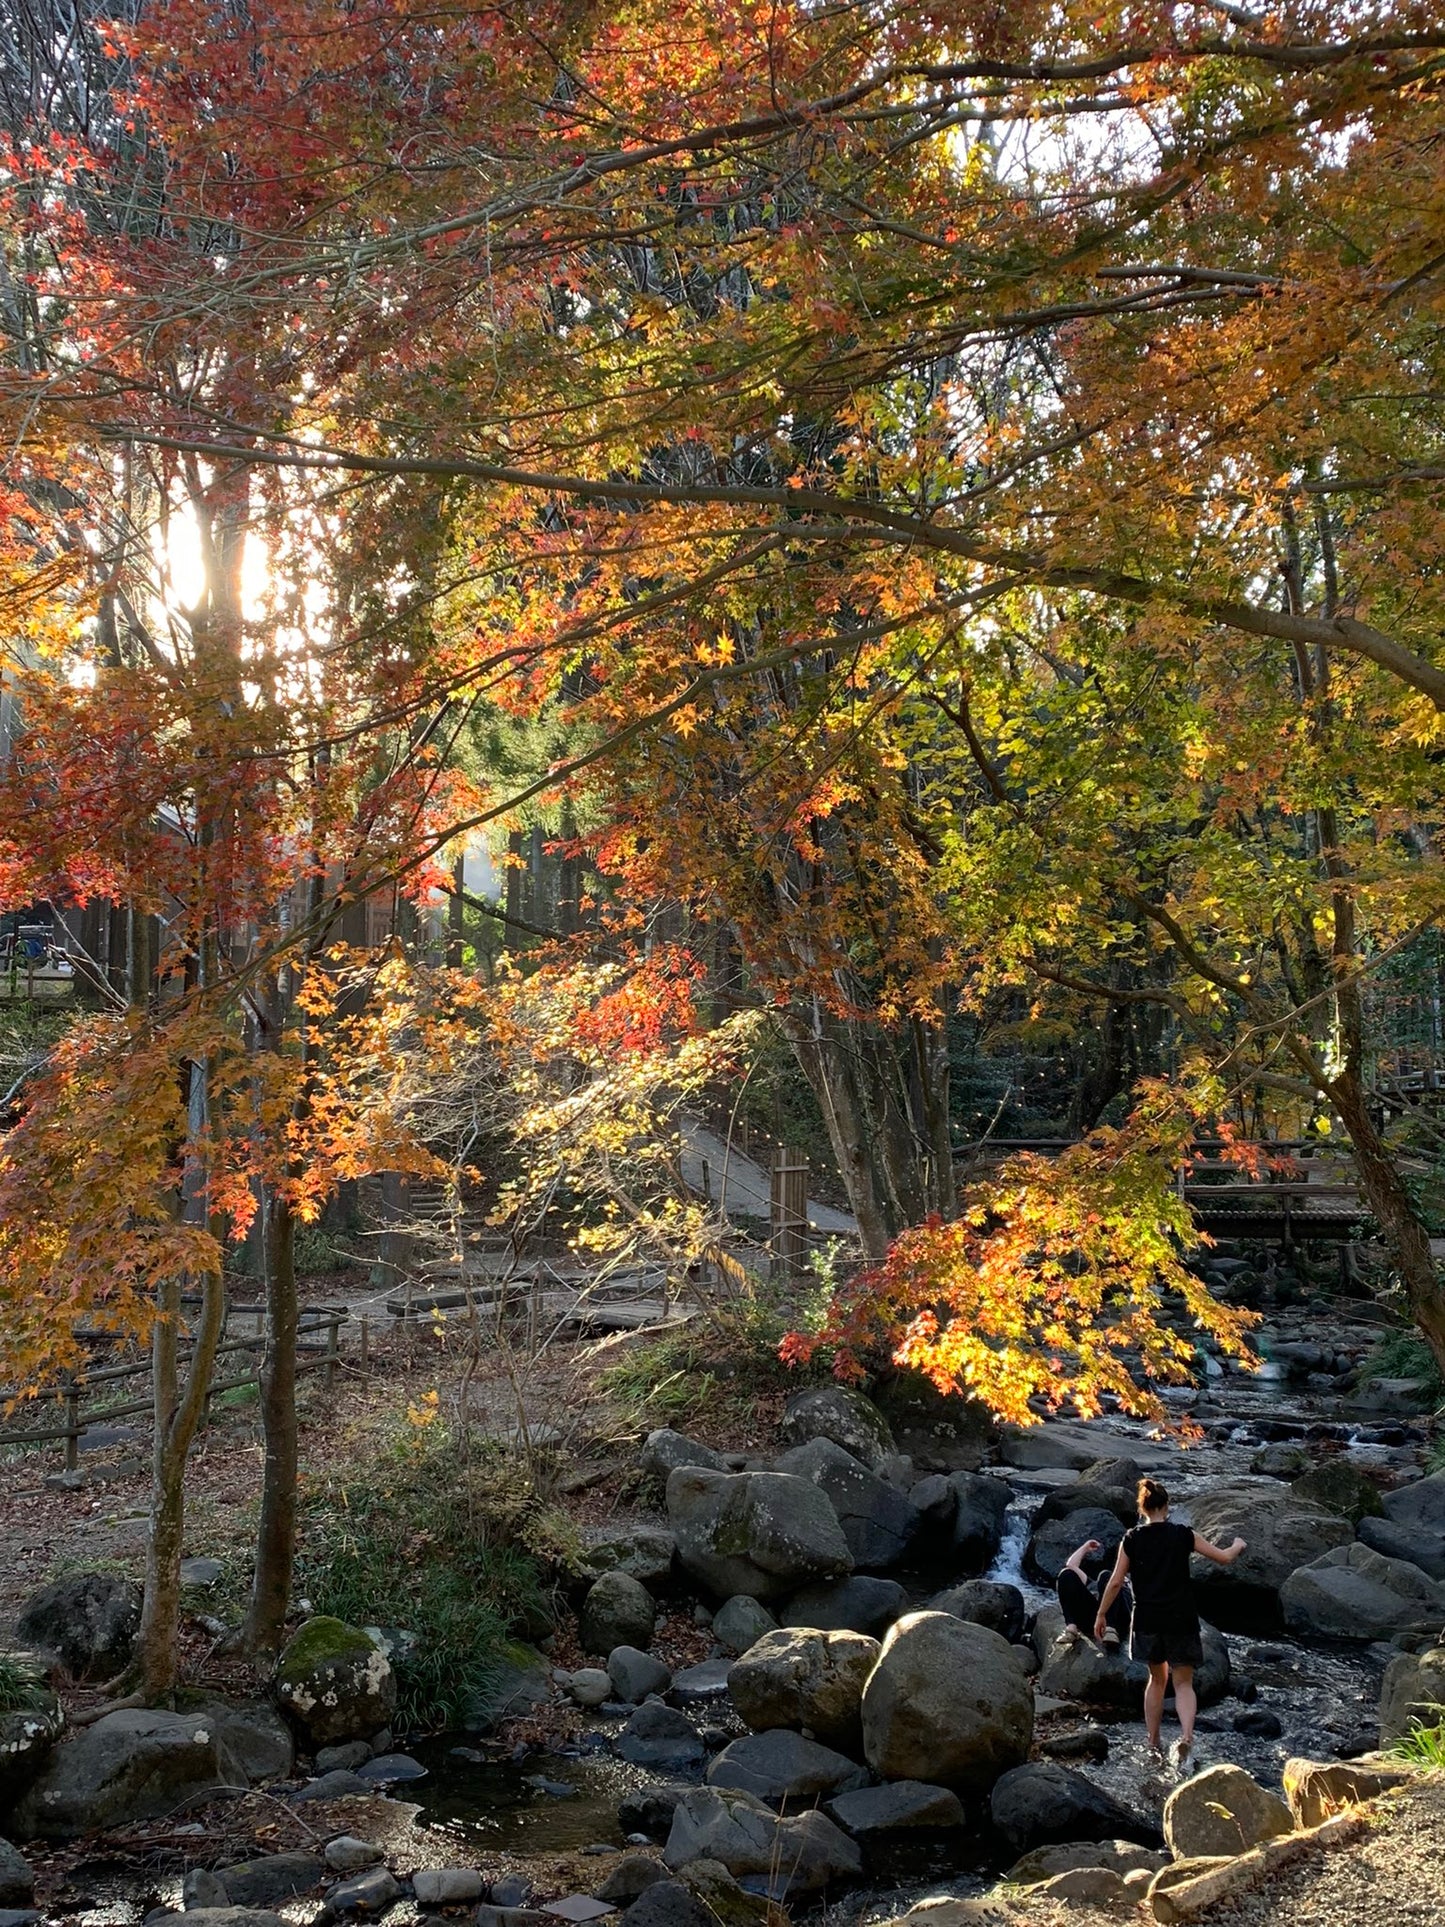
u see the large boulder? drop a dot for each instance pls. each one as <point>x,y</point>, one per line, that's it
<point>878,1523</point>
<point>975,1529</point>
<point>839,1413</point>
<point>1080,1670</point>
<point>1073,1447</point>
<point>1084,1495</point>
<point>28,1731</point>
<point>1412,1693</point>
<point>335,1682</point>
<point>1042,1804</point>
<point>1052,1544</point>
<point>861,1604</point>
<point>664,1450</point>
<point>1222,1811</point>
<point>782,1766</point>
<point>133,1764</point>
<point>618,1611</point>
<point>1421,1505</point>
<point>805,1678</point>
<point>985,1602</point>
<point>1411,1543</point>
<point>644,1553</point>
<point>254,1737</point>
<point>88,1621</point>
<point>747,1837</point>
<point>761,1533</point>
<point>1281,1533</point>
<point>1354,1593</point>
<point>900,1806</point>
<point>1340,1487</point>
<point>1120,1475</point>
<point>948,1702</point>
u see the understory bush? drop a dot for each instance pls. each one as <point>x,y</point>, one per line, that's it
<point>1404,1354</point>
<point>445,1541</point>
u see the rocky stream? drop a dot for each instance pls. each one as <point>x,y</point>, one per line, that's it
<point>888,1718</point>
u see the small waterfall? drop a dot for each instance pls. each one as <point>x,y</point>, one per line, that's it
<point>1008,1565</point>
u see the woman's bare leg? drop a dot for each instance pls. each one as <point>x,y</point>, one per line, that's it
<point>1154,1703</point>
<point>1186,1702</point>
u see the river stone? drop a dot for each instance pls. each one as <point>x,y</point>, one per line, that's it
<point>948,1702</point>
<point>365,1893</point>
<point>632,1875</point>
<point>701,1684</point>
<point>617,1611</point>
<point>796,1676</point>
<point>343,1758</point>
<point>519,1681</point>
<point>17,1882</point>
<point>985,1602</point>
<point>644,1553</point>
<point>761,1533</point>
<point>391,1769</point>
<point>1099,1888</point>
<point>1341,1487</point>
<point>782,1766</point>
<point>1354,1593</point>
<point>659,1735</point>
<point>649,1809</point>
<point>255,1738</point>
<point>347,1854</point>
<point>335,1682</point>
<point>979,1508</point>
<point>1053,1543</point>
<point>446,1886</point>
<point>713,1823</point>
<point>1412,1693</point>
<point>842,1415</point>
<point>202,1888</point>
<point>1043,1804</point>
<point>232,1917</point>
<point>862,1604</point>
<point>664,1451</point>
<point>1222,1811</point>
<point>88,1620</point>
<point>1281,1532</point>
<point>27,1735</point>
<point>134,1764</point>
<point>1421,1504</point>
<point>901,1806</point>
<point>1411,1543</point>
<point>336,1785</point>
<point>740,1622</point>
<point>1314,1789</point>
<point>271,1878</point>
<point>878,1522</point>
<point>1072,1447</point>
<point>1084,1496</point>
<point>635,1675</point>
<point>1119,1856</point>
<point>1280,1460</point>
<point>668,1903</point>
<point>589,1686</point>
<point>1113,1475</point>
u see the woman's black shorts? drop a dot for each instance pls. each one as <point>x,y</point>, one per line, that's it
<point>1178,1646</point>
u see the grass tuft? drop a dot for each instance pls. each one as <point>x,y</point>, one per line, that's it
<point>22,1689</point>
<point>1404,1354</point>
<point>1423,1745</point>
<point>447,1543</point>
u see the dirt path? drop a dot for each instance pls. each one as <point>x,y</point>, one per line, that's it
<point>1393,1877</point>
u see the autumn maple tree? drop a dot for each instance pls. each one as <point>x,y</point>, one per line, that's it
<point>963,481</point>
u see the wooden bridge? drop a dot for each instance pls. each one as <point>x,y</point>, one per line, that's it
<point>1313,1199</point>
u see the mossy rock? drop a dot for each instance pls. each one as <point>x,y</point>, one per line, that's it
<point>518,1682</point>
<point>335,1682</point>
<point>1341,1487</point>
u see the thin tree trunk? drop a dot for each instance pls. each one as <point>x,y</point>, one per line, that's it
<point>261,1635</point>
<point>1406,1237</point>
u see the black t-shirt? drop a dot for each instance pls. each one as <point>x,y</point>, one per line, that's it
<point>1159,1574</point>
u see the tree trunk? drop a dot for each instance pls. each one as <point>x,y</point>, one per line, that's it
<point>1406,1237</point>
<point>890,1140</point>
<point>276,1528</point>
<point>178,1411</point>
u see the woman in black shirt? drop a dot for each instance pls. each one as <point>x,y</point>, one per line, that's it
<point>1154,1561</point>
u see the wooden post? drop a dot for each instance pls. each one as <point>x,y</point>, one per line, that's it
<point>365,1346</point>
<point>328,1371</point>
<point>706,1182</point>
<point>789,1214</point>
<point>72,1426</point>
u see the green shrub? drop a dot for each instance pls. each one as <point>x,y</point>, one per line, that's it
<point>710,1365</point>
<point>1423,1745</point>
<point>447,1543</point>
<point>1404,1354</point>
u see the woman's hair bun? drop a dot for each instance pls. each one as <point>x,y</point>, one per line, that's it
<point>1152,1497</point>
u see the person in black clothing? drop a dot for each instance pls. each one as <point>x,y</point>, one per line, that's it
<point>1079,1599</point>
<point>1154,1560</point>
